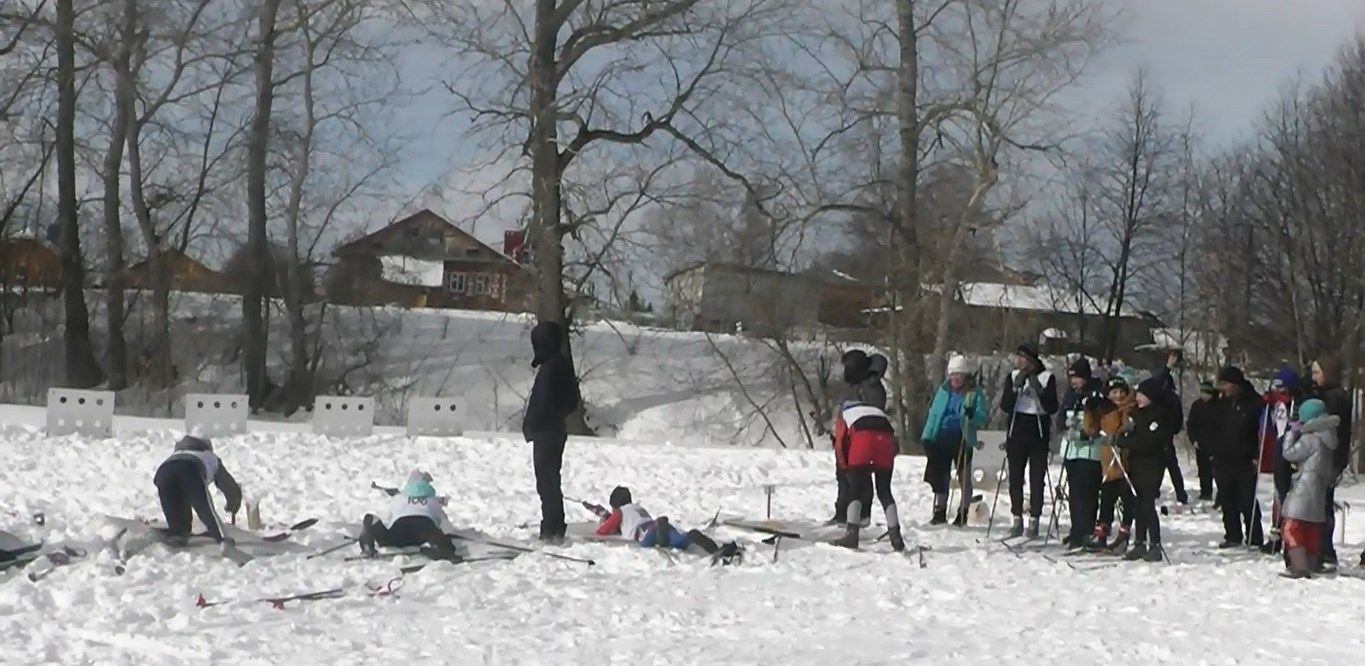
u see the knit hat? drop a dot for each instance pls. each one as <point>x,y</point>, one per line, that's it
<point>620,496</point>
<point>1311,409</point>
<point>1028,351</point>
<point>1286,379</point>
<point>1152,387</point>
<point>1232,375</point>
<point>1081,368</point>
<point>957,365</point>
<point>418,485</point>
<point>1118,383</point>
<point>1206,387</point>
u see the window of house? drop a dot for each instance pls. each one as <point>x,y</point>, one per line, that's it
<point>459,283</point>
<point>481,285</point>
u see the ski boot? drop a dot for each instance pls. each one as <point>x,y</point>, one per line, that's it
<point>1032,531</point>
<point>1229,544</point>
<point>1155,553</point>
<point>849,539</point>
<point>940,516</point>
<point>1137,552</point>
<point>960,519</point>
<point>177,541</point>
<point>1272,547</point>
<point>897,541</point>
<point>1098,538</point>
<point>367,543</point>
<point>728,554</point>
<point>1327,563</point>
<point>1016,529</point>
<point>1120,542</point>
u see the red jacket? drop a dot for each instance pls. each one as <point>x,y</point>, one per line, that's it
<point>864,437</point>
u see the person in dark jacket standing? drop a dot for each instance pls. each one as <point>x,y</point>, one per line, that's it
<point>554,396</point>
<point>1146,439</point>
<point>1029,398</point>
<point>1327,388</point>
<point>1234,458</point>
<point>1175,407</point>
<point>182,483</point>
<point>1202,428</point>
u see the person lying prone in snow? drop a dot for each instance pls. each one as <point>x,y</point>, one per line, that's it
<point>630,520</point>
<point>416,519</point>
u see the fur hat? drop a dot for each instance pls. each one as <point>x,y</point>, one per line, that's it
<point>957,365</point>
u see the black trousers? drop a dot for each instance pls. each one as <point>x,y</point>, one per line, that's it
<point>862,481</point>
<point>1241,514</point>
<point>1083,480</point>
<point>845,496</point>
<point>940,458</point>
<point>181,487</point>
<point>1148,520</point>
<point>1325,548</point>
<point>408,532</point>
<point>1177,477</point>
<point>1204,462</point>
<point>1027,449</point>
<point>1112,493</point>
<point>547,457</point>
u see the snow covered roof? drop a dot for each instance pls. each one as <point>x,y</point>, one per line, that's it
<point>1198,345</point>
<point>1035,298</point>
<point>410,271</point>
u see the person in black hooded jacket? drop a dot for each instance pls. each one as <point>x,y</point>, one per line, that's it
<point>1235,458</point>
<point>1147,438</point>
<point>554,396</point>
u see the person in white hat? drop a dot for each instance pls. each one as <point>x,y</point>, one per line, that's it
<point>949,435</point>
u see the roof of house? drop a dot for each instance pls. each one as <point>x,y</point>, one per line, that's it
<point>728,266</point>
<point>1033,298</point>
<point>27,244</point>
<point>177,260</point>
<point>372,244</point>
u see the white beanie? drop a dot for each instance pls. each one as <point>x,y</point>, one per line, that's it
<point>957,365</point>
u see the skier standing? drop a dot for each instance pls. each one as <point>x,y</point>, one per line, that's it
<point>949,437</point>
<point>866,443</point>
<point>862,385</point>
<point>1104,423</point>
<point>416,518</point>
<point>554,396</point>
<point>1176,408</point>
<point>1081,451</point>
<point>182,483</point>
<point>1202,426</point>
<point>1311,445</point>
<point>1326,375</point>
<point>1146,439</point>
<point>1234,459</point>
<point>1030,399</point>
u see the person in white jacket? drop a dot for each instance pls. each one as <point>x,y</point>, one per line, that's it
<point>417,518</point>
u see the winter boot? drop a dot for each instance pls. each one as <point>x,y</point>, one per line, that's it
<point>728,554</point>
<point>940,516</point>
<point>177,541</point>
<point>1327,562</point>
<point>837,520</point>
<point>703,542</point>
<point>1229,544</point>
<point>1299,564</point>
<point>662,533</point>
<point>1032,531</point>
<point>1098,538</point>
<point>1137,552</point>
<point>960,519</point>
<point>850,538</point>
<point>897,541</point>
<point>1271,547</point>
<point>1155,553</point>
<point>1017,529</point>
<point>1120,542</point>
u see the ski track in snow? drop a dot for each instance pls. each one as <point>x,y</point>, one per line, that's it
<point>817,605</point>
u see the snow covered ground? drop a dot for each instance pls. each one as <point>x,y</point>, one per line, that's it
<point>973,603</point>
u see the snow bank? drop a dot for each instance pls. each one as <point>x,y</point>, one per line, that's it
<point>973,604</point>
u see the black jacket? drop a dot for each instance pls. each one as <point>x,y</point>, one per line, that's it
<point>1074,400</point>
<point>1147,440</point>
<point>232,492</point>
<point>1339,405</point>
<point>1045,391</point>
<point>1239,437</point>
<point>555,393</point>
<point>1203,422</point>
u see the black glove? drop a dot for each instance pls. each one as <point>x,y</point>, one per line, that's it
<point>597,509</point>
<point>232,507</point>
<point>968,413</point>
<point>1020,380</point>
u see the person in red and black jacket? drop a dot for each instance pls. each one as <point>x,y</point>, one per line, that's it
<point>865,446</point>
<point>1234,459</point>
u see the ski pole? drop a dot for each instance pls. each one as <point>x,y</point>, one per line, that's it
<point>999,477</point>
<point>522,549</point>
<point>385,489</point>
<point>1054,520</point>
<point>332,549</point>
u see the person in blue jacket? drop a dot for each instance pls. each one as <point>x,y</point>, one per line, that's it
<point>958,409</point>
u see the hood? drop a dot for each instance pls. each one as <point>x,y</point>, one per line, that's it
<point>546,339</point>
<point>192,443</point>
<point>1328,422</point>
<point>877,365</point>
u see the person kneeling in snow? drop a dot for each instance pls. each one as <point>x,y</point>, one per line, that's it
<point>417,519</point>
<point>865,445</point>
<point>1310,444</point>
<point>630,520</point>
<point>182,482</point>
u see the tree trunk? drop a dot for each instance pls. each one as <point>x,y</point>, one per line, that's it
<point>113,229</point>
<point>950,271</point>
<point>82,369</point>
<point>254,334</point>
<point>909,361</point>
<point>299,386</point>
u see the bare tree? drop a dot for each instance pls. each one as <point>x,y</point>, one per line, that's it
<point>255,338</point>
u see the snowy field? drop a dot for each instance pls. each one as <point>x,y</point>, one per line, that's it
<point>972,603</point>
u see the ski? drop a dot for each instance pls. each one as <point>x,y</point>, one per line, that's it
<point>14,553</point>
<point>58,559</point>
<point>278,602</point>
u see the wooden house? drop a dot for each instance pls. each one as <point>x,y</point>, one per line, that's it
<point>187,274</point>
<point>425,261</point>
<point>29,264</point>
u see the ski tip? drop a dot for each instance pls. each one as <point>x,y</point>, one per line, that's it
<point>303,525</point>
